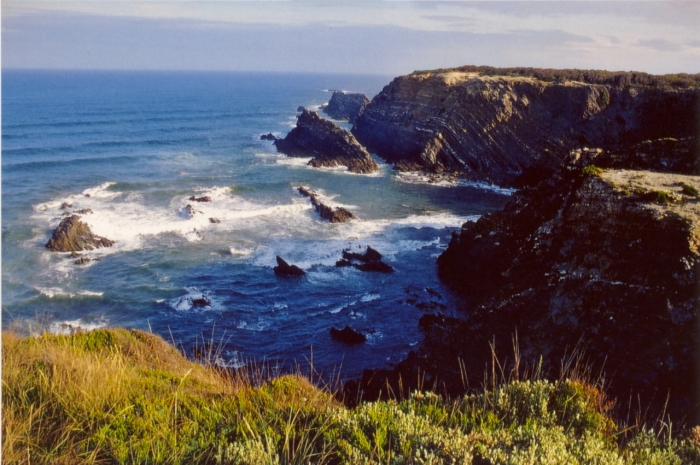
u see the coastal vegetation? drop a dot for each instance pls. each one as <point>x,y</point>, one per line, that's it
<point>127,396</point>
<point>620,79</point>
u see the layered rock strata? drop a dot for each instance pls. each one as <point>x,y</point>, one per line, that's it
<point>328,144</point>
<point>346,106</point>
<point>489,128</point>
<point>74,235</point>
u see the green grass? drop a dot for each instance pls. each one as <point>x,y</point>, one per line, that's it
<point>592,170</point>
<point>690,191</point>
<point>118,396</point>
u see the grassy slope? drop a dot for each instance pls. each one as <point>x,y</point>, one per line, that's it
<point>119,396</point>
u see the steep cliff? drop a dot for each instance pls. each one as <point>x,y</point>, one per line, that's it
<point>491,127</point>
<point>346,106</point>
<point>330,145</point>
<point>606,258</point>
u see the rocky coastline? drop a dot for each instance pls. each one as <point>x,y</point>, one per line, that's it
<point>346,106</point>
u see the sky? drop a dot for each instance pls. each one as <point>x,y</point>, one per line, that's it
<point>378,37</point>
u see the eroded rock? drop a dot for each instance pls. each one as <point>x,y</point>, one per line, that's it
<point>346,106</point>
<point>74,235</point>
<point>328,144</point>
<point>286,270</point>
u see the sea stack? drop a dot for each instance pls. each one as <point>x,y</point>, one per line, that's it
<point>328,144</point>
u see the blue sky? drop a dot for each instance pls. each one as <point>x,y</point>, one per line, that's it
<point>382,37</point>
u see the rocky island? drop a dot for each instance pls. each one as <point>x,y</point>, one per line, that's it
<point>328,144</point>
<point>346,106</point>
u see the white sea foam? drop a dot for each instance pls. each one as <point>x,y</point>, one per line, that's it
<point>71,326</point>
<point>417,177</point>
<point>52,292</point>
<point>184,302</point>
<point>370,297</point>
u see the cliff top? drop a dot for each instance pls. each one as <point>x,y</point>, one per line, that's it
<point>588,76</point>
<point>664,192</point>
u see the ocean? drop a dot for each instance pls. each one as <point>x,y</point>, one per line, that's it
<point>132,147</point>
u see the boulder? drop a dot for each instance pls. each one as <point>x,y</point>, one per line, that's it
<point>204,198</point>
<point>371,260</point>
<point>285,269</point>
<point>65,205</point>
<point>300,108</point>
<point>346,106</point>
<point>370,255</point>
<point>348,335</point>
<point>328,144</point>
<point>82,261</point>
<point>72,234</point>
<point>268,136</point>
<point>214,220</point>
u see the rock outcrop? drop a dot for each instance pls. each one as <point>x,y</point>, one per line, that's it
<point>610,259</point>
<point>346,106</point>
<point>371,260</point>
<point>489,128</point>
<point>348,335</point>
<point>284,269</point>
<point>334,215</point>
<point>268,136</point>
<point>328,144</point>
<point>74,235</point>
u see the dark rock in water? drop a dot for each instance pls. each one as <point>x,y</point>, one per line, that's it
<point>370,255</point>
<point>377,266</point>
<point>285,269</point>
<point>346,106</point>
<point>433,292</point>
<point>214,220</point>
<point>83,211</point>
<point>205,198</point>
<point>371,260</point>
<point>190,211</point>
<point>75,254</point>
<point>201,302</point>
<point>72,234</point>
<point>348,335</point>
<point>300,108</point>
<point>82,261</point>
<point>65,205</point>
<point>431,306</point>
<point>330,145</point>
<point>334,215</point>
<point>268,136</point>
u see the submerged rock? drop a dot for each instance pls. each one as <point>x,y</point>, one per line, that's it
<point>214,220</point>
<point>82,261</point>
<point>204,198</point>
<point>200,302</point>
<point>346,106</point>
<point>74,235</point>
<point>285,269</point>
<point>328,144</point>
<point>348,335</point>
<point>370,255</point>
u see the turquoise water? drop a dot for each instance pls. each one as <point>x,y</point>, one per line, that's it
<point>140,144</point>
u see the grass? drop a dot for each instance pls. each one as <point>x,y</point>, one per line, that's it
<point>119,396</point>
<point>592,170</point>
<point>690,191</point>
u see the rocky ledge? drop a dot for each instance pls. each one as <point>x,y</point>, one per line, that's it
<point>490,127</point>
<point>328,144</point>
<point>346,106</point>
<point>74,235</point>
<point>334,215</point>
<point>603,260</point>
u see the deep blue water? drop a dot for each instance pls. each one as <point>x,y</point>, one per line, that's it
<point>140,144</point>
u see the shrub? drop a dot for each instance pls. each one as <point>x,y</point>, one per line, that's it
<point>592,170</point>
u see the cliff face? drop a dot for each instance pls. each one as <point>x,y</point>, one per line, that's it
<point>346,106</point>
<point>330,145</point>
<point>609,259</point>
<point>490,128</point>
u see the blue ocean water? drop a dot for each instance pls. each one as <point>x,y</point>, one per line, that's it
<point>134,146</point>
